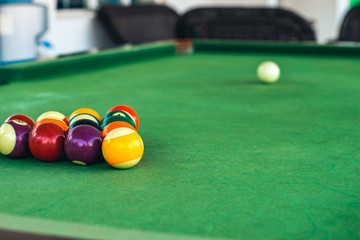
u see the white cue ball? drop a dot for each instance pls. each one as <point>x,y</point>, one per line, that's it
<point>268,72</point>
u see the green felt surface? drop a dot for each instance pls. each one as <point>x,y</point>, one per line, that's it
<point>225,156</point>
<point>87,62</point>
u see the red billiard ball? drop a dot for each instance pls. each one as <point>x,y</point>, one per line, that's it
<point>83,144</point>
<point>14,135</point>
<point>128,110</point>
<point>46,142</point>
<point>23,118</point>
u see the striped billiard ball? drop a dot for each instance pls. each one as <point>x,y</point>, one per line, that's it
<point>53,114</point>
<point>14,135</point>
<point>115,125</point>
<point>122,148</point>
<point>128,110</point>
<point>23,118</point>
<point>119,116</point>
<point>84,119</point>
<point>87,111</point>
<point>84,116</point>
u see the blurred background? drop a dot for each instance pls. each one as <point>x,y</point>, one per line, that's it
<point>38,29</point>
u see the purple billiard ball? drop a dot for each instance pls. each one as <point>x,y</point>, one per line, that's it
<point>14,137</point>
<point>83,144</point>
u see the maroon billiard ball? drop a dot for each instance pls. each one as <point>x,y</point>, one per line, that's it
<point>83,144</point>
<point>23,118</point>
<point>14,135</point>
<point>46,142</point>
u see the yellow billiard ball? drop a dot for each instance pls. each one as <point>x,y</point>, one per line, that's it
<point>123,148</point>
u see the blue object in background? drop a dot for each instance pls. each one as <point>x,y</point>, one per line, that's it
<point>46,44</point>
<point>15,1</point>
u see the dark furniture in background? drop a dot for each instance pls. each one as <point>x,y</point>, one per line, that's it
<point>350,28</point>
<point>139,24</point>
<point>245,24</point>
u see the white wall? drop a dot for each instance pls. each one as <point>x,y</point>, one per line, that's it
<point>78,31</point>
<point>72,31</point>
<point>182,6</point>
<point>325,15</point>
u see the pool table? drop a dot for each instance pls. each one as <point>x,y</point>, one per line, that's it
<point>226,156</point>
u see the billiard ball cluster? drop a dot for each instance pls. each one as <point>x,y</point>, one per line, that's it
<point>84,137</point>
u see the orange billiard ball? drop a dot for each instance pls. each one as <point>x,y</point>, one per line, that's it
<point>58,122</point>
